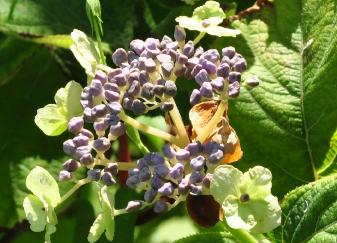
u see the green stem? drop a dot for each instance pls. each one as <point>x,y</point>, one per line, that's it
<point>178,122</point>
<point>242,236</point>
<point>99,41</point>
<point>74,189</point>
<point>199,37</point>
<point>150,130</point>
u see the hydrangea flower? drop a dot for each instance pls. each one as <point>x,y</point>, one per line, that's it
<point>246,198</point>
<point>206,19</point>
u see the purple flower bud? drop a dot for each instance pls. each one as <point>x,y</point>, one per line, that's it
<point>165,40</point>
<point>154,158</point>
<point>235,59</point>
<point>166,106</point>
<point>182,59</point>
<point>179,33</point>
<point>215,157</point>
<point>120,56</point>
<point>192,62</point>
<point>168,151</point>
<point>223,70</point>
<point>100,126</point>
<point>211,55</point>
<point>138,107</point>
<point>70,165</point>
<point>120,80</point>
<point>218,84</point>
<point>133,75</point>
<point>196,190</point>
<point>147,91</point>
<point>81,140</point>
<point>102,144</point>
<point>228,51</point>
<point>133,172</point>
<point>75,125</point>
<point>127,102</point>
<point>161,170</point>
<point>183,155</point>
<point>167,189</point>
<point>133,206</point>
<point>87,133</point>
<point>152,43</point>
<point>111,119</point>
<point>183,187</point>
<point>144,174</point>
<point>158,89</point>
<point>99,110</point>
<point>196,69</point>
<point>96,87</point>
<point>141,163</point>
<point>150,65</point>
<point>160,207</point>
<point>150,195</point>
<point>107,179</point>
<point>134,88</point>
<point>143,77</point>
<point>156,182</point>
<point>206,181</point>
<point>194,148</point>
<point>101,76</point>
<point>210,67</point>
<point>80,151</point>
<point>234,90</point>
<point>172,45</point>
<point>86,159</point>
<point>180,71</point>
<point>233,77</point>
<point>112,168</point>
<point>199,51</point>
<point>167,68</point>
<point>111,95</point>
<point>132,181</point>
<point>117,130</point>
<point>196,177</point>
<point>137,46</point>
<point>252,81</point>
<point>94,174</point>
<point>69,147</point>
<point>113,73</point>
<point>240,65</point>
<point>211,147</point>
<point>64,175</point>
<point>114,108</point>
<point>198,162</point>
<point>177,171</point>
<point>87,114</point>
<point>206,90</point>
<point>195,97</point>
<point>170,88</point>
<point>163,58</point>
<point>201,77</point>
<point>188,49</point>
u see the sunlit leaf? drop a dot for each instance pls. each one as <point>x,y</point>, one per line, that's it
<point>35,213</point>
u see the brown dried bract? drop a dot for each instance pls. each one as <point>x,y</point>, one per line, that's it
<point>201,114</point>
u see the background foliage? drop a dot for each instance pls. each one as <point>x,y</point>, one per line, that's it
<point>285,125</point>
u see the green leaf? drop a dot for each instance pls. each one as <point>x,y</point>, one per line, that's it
<point>133,134</point>
<point>285,123</point>
<point>309,213</point>
<point>214,237</point>
<point>93,8</point>
<point>53,119</point>
<point>35,213</point>
<point>97,228</point>
<point>329,164</point>
<point>44,186</point>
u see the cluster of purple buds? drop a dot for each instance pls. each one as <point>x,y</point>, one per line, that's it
<point>176,173</point>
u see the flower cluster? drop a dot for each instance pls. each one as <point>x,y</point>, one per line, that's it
<point>178,172</point>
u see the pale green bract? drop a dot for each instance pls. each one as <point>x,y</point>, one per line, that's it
<point>207,18</point>
<point>44,186</point>
<point>259,213</point>
<point>85,51</point>
<point>53,118</point>
<point>105,220</point>
<point>35,214</point>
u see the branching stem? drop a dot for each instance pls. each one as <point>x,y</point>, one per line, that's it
<point>74,189</point>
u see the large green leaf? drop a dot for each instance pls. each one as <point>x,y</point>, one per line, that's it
<point>309,213</point>
<point>286,123</point>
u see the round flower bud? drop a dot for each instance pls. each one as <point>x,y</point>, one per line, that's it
<point>64,175</point>
<point>150,195</point>
<point>94,174</point>
<point>75,125</point>
<point>107,179</point>
<point>119,57</point>
<point>101,144</point>
<point>70,165</point>
<point>160,207</point>
<point>133,206</point>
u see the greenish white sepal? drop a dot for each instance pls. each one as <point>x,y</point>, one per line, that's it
<point>35,213</point>
<point>246,198</point>
<point>206,19</point>
<point>85,51</point>
<point>53,118</point>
